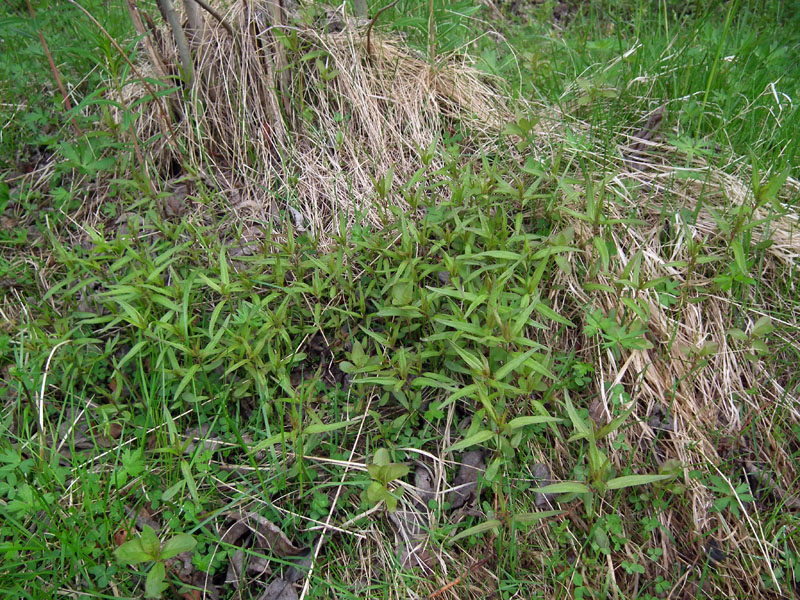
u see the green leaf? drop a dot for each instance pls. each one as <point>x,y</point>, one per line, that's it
<point>613,425</point>
<point>564,487</point>
<point>154,584</point>
<point>738,256</point>
<point>150,543</point>
<point>186,379</point>
<point>473,440</point>
<point>532,420</point>
<point>376,492</point>
<point>480,528</point>
<point>381,457</point>
<point>177,544</point>
<point>602,250</point>
<point>513,364</point>
<point>737,334</point>
<point>473,362</point>
<point>577,422</point>
<point>632,480</point>
<point>395,471</point>
<point>762,327</point>
<point>186,471</point>
<point>131,553</point>
<point>549,313</point>
<point>172,490</point>
<point>326,427</point>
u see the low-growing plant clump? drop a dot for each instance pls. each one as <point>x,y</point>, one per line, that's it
<point>545,354</point>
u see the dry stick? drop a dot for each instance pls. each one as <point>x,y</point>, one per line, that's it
<point>194,21</point>
<point>203,4</point>
<point>155,59</point>
<point>171,15</point>
<point>173,135</point>
<point>282,62</point>
<point>458,579</point>
<point>40,402</point>
<point>54,70</point>
<point>375,18</point>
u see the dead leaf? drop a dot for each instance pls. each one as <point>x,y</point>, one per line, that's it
<point>411,518</point>
<point>423,482</point>
<point>279,589</point>
<point>251,530</point>
<point>270,536</point>
<point>199,435</point>
<point>235,565</point>
<point>120,537</point>
<point>650,129</point>
<point>417,555</point>
<point>301,566</point>
<point>597,412</point>
<point>465,487</point>
<point>541,474</point>
<point>765,480</point>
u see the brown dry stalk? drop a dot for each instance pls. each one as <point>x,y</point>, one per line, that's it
<point>204,5</point>
<point>375,18</point>
<point>459,579</point>
<point>187,62</point>
<point>54,70</point>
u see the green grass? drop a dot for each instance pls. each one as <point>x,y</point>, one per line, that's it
<point>181,381</point>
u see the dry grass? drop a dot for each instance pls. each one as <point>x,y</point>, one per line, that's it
<point>310,139</point>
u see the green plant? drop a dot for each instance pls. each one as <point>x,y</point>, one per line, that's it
<point>755,341</point>
<point>148,548</point>
<point>729,496</point>
<point>600,475</point>
<point>383,473</point>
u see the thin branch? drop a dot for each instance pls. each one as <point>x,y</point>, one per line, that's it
<point>204,5</point>
<point>171,15</point>
<point>54,70</point>
<point>375,18</point>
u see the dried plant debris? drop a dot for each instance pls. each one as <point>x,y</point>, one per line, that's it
<point>395,100</point>
<point>465,486</point>
<point>198,436</point>
<point>410,521</point>
<point>645,138</point>
<point>541,474</point>
<point>256,538</point>
<point>761,481</point>
<point>423,484</point>
<point>279,589</point>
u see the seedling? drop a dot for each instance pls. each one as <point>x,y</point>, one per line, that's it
<point>148,548</point>
<point>383,473</point>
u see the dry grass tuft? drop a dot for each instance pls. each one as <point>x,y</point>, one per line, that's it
<point>705,396</point>
<point>311,138</point>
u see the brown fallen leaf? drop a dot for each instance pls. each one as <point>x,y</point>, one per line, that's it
<point>251,530</point>
<point>644,138</point>
<point>465,487</point>
<point>541,473</point>
<point>301,564</point>
<point>423,482</point>
<point>279,589</point>
<point>597,412</point>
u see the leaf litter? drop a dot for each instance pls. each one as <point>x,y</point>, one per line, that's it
<point>255,537</point>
